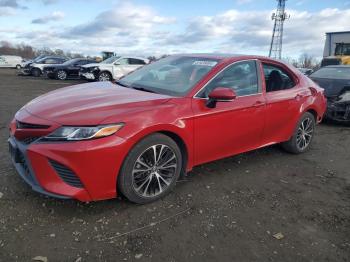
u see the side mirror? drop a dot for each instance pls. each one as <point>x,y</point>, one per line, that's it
<point>220,94</point>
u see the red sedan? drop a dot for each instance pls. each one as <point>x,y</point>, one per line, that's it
<point>137,136</point>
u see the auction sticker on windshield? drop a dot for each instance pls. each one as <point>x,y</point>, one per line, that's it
<point>205,63</point>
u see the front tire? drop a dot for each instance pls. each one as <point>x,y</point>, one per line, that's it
<point>151,169</point>
<point>36,72</point>
<point>302,136</point>
<point>61,75</point>
<point>104,76</point>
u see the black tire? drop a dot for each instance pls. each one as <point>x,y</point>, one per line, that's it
<point>104,76</point>
<point>295,144</point>
<point>18,67</point>
<point>131,177</point>
<point>61,75</point>
<point>36,72</point>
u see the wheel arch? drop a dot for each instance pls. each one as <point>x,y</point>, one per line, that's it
<point>168,131</point>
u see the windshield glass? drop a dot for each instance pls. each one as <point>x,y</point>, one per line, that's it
<point>342,49</point>
<point>174,75</point>
<point>333,73</point>
<point>110,60</point>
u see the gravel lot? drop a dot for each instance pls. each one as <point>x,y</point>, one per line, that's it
<point>228,210</point>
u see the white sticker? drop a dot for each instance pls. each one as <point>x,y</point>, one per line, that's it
<point>205,63</point>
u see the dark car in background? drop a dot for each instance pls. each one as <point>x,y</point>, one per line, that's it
<point>336,82</point>
<point>69,69</point>
<point>35,68</point>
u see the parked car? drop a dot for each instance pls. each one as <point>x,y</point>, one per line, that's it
<point>336,82</point>
<point>305,71</point>
<point>26,62</point>
<point>112,68</point>
<point>69,69</point>
<point>11,61</point>
<point>137,136</point>
<point>35,68</point>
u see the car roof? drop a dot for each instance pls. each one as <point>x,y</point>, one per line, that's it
<point>222,56</point>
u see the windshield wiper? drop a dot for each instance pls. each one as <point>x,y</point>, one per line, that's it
<point>121,84</point>
<point>142,89</point>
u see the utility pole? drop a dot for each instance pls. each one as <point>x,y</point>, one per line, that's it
<point>277,35</point>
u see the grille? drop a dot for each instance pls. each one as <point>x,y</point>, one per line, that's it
<point>66,174</point>
<point>22,125</point>
<point>30,139</point>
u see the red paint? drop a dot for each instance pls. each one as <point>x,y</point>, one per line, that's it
<point>232,127</point>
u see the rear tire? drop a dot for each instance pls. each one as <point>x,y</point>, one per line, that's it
<point>36,72</point>
<point>303,134</point>
<point>18,67</point>
<point>151,169</point>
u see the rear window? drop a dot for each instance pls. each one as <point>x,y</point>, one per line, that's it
<point>333,73</point>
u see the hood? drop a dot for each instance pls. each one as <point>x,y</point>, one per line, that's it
<point>94,64</point>
<point>332,87</point>
<point>90,104</point>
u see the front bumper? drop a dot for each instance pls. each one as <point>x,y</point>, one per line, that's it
<point>94,163</point>
<point>339,112</point>
<point>87,76</point>
<point>24,71</point>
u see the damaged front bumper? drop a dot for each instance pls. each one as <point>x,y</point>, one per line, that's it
<point>338,108</point>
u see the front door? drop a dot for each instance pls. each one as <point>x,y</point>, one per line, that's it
<point>231,127</point>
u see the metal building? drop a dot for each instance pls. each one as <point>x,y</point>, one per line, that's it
<point>337,43</point>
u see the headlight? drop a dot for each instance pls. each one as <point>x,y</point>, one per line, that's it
<point>94,68</point>
<point>70,133</point>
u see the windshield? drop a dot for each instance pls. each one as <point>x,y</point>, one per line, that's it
<point>333,73</point>
<point>342,49</point>
<point>174,75</point>
<point>110,60</point>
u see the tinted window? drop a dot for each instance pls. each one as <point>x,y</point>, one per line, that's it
<point>333,73</point>
<point>53,61</point>
<point>133,61</point>
<point>242,77</point>
<point>277,78</point>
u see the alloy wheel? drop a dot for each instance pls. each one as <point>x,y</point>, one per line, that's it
<point>104,77</point>
<point>304,134</point>
<point>62,75</point>
<point>154,170</point>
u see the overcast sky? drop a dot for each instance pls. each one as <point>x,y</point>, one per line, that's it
<point>163,26</point>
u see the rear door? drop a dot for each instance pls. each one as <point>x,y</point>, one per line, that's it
<point>284,98</point>
<point>231,127</point>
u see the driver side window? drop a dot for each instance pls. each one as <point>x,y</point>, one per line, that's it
<point>242,77</point>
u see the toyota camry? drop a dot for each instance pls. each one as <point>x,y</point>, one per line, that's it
<point>137,136</point>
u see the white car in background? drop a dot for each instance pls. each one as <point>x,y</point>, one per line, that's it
<point>112,68</point>
<point>11,61</point>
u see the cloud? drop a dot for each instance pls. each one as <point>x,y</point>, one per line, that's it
<point>11,4</point>
<point>124,17</point>
<point>243,2</point>
<point>129,28</point>
<point>55,16</point>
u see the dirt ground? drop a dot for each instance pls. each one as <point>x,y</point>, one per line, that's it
<point>228,210</point>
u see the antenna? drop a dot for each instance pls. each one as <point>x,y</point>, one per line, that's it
<point>277,35</point>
